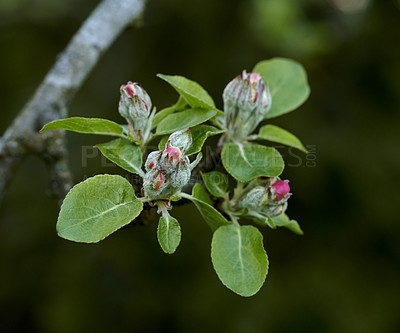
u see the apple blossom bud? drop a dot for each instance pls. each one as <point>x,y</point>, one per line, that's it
<point>269,200</point>
<point>231,95</point>
<point>130,90</point>
<point>181,138</point>
<point>135,106</point>
<point>159,180</point>
<point>181,176</point>
<point>153,183</point>
<point>254,98</point>
<point>280,190</point>
<point>170,159</point>
<point>278,197</point>
<point>153,160</point>
<point>255,199</point>
<point>160,184</point>
<point>172,155</point>
<point>246,102</point>
<point>168,170</point>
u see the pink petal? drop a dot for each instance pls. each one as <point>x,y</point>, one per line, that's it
<point>281,188</point>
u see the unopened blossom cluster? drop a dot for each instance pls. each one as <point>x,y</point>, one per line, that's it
<point>135,106</point>
<point>269,199</point>
<point>168,170</point>
<point>246,102</point>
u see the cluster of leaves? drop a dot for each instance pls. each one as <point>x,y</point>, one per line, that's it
<point>102,204</point>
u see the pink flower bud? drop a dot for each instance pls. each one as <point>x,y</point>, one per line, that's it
<point>134,90</point>
<point>168,170</point>
<point>255,94</point>
<point>153,160</point>
<point>135,106</point>
<point>129,89</point>
<point>159,181</point>
<point>163,184</point>
<point>182,138</point>
<point>280,190</point>
<point>173,154</point>
<point>254,77</point>
<point>246,102</point>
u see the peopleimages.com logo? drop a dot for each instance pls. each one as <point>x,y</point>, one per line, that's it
<point>295,158</point>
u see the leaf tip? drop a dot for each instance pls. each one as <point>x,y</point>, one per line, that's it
<point>43,129</point>
<point>162,76</point>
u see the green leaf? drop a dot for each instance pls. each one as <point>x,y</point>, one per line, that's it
<point>163,141</point>
<point>199,193</point>
<point>248,162</point>
<point>276,134</point>
<point>97,207</point>
<point>168,233</point>
<point>86,125</point>
<point>216,183</point>
<point>124,154</point>
<point>239,258</point>
<point>194,94</point>
<point>199,135</point>
<point>284,221</point>
<point>184,119</point>
<point>213,217</point>
<point>160,115</point>
<point>287,82</point>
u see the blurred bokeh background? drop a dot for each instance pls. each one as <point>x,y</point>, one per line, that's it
<point>343,275</point>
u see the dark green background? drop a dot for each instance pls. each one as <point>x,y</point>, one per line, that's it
<point>342,276</point>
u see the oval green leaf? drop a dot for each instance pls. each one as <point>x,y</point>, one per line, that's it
<point>97,207</point>
<point>168,233</point>
<point>248,162</point>
<point>124,154</point>
<point>287,82</point>
<point>184,119</point>
<point>199,193</point>
<point>200,134</point>
<point>276,134</point>
<point>86,125</point>
<point>160,115</point>
<point>239,258</point>
<point>216,183</point>
<point>194,94</point>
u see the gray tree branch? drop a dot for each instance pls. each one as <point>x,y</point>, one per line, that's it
<point>54,94</point>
